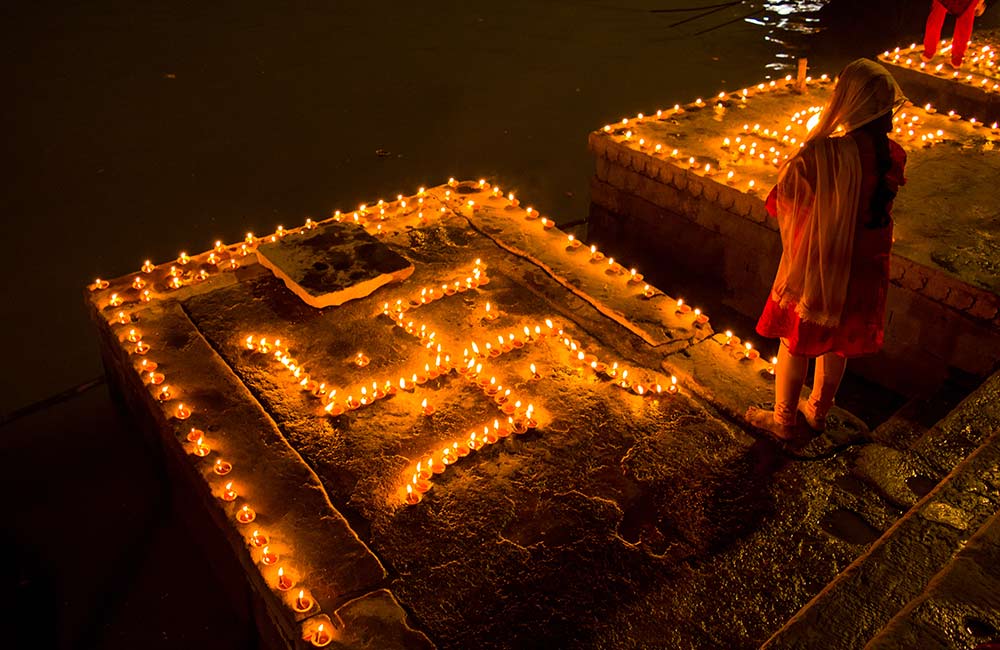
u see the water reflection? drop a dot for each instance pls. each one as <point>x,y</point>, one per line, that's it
<point>789,24</point>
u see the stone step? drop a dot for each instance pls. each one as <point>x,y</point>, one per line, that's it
<point>960,606</point>
<point>894,576</point>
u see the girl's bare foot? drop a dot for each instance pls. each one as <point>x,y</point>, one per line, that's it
<point>765,421</point>
<point>815,422</point>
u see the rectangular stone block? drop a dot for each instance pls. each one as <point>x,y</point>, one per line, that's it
<point>332,263</point>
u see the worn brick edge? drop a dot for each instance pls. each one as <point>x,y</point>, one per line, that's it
<point>977,304</point>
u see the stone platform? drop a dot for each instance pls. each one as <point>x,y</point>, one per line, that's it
<point>972,91</point>
<point>371,456</point>
<point>683,191</point>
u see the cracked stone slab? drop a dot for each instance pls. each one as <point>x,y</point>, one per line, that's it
<point>599,279</point>
<point>332,263</point>
<point>376,621</point>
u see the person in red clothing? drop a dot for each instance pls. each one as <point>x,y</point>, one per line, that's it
<point>965,12</point>
<point>833,202</point>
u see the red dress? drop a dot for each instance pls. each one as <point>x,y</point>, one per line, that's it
<point>957,7</point>
<point>861,327</point>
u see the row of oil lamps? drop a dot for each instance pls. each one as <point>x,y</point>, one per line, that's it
<point>382,209</point>
<point>320,636</point>
<point>258,541</point>
<point>518,419</point>
<point>983,59</point>
<point>742,152</point>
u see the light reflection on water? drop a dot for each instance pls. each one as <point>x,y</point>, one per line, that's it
<point>789,25</point>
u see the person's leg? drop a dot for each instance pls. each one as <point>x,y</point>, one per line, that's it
<point>826,380</point>
<point>963,32</point>
<point>932,32</point>
<point>789,375</point>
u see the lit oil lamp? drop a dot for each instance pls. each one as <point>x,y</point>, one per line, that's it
<point>648,291</point>
<point>321,637</point>
<point>258,539</point>
<point>134,336</point>
<point>422,485</point>
<point>303,603</point>
<point>672,388</point>
<point>141,347</point>
<point>147,366</point>
<point>284,582</point>
<point>138,283</point>
<point>682,308</point>
<point>427,408</point>
<point>200,448</point>
<point>182,412</point>
<point>99,284</point>
<point>228,493</point>
<point>360,360</point>
<point>245,515</point>
<point>221,467</point>
<point>156,378</point>
<point>572,243</point>
<point>164,394</point>
<point>267,556</point>
<point>115,300</point>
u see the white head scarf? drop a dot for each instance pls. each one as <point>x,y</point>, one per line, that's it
<point>818,194</point>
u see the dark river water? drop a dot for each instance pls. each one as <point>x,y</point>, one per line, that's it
<point>137,130</point>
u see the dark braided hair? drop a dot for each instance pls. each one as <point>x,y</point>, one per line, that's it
<point>883,195</point>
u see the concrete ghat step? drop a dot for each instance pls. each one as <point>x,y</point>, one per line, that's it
<point>898,568</point>
<point>960,606</point>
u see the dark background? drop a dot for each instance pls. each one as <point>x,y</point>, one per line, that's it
<point>136,130</point>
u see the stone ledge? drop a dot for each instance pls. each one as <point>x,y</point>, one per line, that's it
<point>923,86</point>
<point>946,290</point>
<point>377,621</point>
<point>668,171</point>
<point>899,566</point>
<point>951,292</point>
<point>293,511</point>
<point>967,587</point>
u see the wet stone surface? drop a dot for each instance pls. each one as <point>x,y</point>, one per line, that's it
<point>620,521</point>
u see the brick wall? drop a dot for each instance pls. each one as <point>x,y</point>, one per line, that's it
<point>650,205</point>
